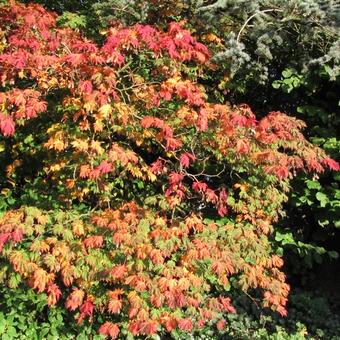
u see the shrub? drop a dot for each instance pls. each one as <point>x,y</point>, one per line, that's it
<point>132,196</point>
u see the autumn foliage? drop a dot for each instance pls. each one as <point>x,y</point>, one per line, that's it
<point>163,200</point>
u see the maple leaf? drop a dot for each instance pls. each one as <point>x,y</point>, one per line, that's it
<point>280,171</point>
<point>172,144</point>
<point>157,167</point>
<point>331,163</point>
<point>17,235</point>
<point>75,59</point>
<point>199,186</point>
<point>118,272</point>
<point>95,241</point>
<point>185,159</point>
<point>156,256</point>
<point>105,110</point>
<point>149,121</point>
<point>282,311</point>
<point>85,171</point>
<point>157,300</point>
<point>7,126</point>
<point>105,167</point>
<point>221,325</point>
<point>134,327</point>
<point>78,227</point>
<point>3,239</point>
<point>115,306</point>
<point>67,274</point>
<point>40,279</point>
<point>211,195</point>
<point>170,323</point>
<point>75,299</point>
<point>149,327</point>
<point>185,325</point>
<point>242,146</point>
<point>175,178</point>
<point>57,142</point>
<point>86,310</point>
<point>54,294</point>
<point>226,304</point>
<point>222,210</point>
<point>110,329</point>
<point>85,86</point>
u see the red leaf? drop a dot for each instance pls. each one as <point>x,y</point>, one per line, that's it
<point>175,178</point>
<point>75,58</point>
<point>7,126</point>
<point>242,146</point>
<point>185,159</point>
<point>94,241</point>
<point>157,167</point>
<point>134,327</point>
<point>150,121</point>
<point>86,310</point>
<point>115,306</point>
<point>199,186</point>
<point>17,235</point>
<point>202,123</point>
<point>85,86</point>
<point>222,210</point>
<point>173,144</point>
<point>185,325</point>
<point>75,299</point>
<point>331,163</point>
<point>119,271</point>
<point>221,325</point>
<point>54,294</point>
<point>226,305</point>
<point>170,323</point>
<point>3,239</point>
<point>105,167</point>
<point>110,329</point>
<point>211,196</point>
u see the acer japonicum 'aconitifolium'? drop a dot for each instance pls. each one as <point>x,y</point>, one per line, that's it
<point>181,193</point>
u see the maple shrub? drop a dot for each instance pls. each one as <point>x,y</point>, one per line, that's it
<point>136,198</point>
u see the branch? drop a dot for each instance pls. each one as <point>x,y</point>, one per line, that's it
<point>251,17</point>
<point>218,4</point>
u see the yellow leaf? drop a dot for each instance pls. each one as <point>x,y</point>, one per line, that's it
<point>96,147</point>
<point>57,166</point>
<point>105,110</point>
<point>90,106</point>
<point>98,126</point>
<point>21,74</point>
<point>124,112</point>
<point>173,81</point>
<point>56,142</point>
<point>78,228</point>
<point>53,128</point>
<point>80,145</point>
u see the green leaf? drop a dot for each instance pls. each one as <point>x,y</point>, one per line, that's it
<point>276,84</point>
<point>333,254</point>
<point>287,73</point>
<point>322,198</point>
<point>313,184</point>
<point>144,226</point>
